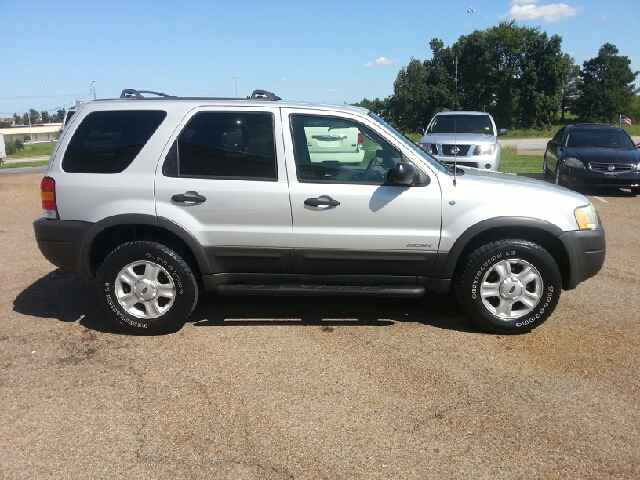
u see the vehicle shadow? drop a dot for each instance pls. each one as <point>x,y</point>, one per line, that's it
<point>66,298</point>
<point>71,298</point>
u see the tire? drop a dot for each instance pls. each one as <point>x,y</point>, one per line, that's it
<point>545,169</point>
<point>558,176</point>
<point>147,288</point>
<point>509,286</point>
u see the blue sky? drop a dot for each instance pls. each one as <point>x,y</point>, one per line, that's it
<point>322,51</point>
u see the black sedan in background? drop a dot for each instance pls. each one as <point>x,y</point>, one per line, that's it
<point>593,155</point>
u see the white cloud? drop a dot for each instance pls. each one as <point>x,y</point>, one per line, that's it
<point>601,17</point>
<point>523,2</point>
<point>548,13</point>
<point>329,90</point>
<point>381,62</point>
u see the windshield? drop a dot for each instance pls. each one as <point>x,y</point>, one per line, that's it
<point>424,155</point>
<point>606,138</point>
<point>461,124</point>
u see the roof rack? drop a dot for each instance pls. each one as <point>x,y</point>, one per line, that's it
<point>132,93</point>
<point>264,95</point>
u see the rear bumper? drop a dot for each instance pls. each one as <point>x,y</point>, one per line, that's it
<point>586,250</point>
<point>66,244</point>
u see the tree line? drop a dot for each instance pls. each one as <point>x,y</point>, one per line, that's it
<point>34,117</point>
<point>518,74</point>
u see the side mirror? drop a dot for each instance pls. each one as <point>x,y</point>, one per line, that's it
<point>402,174</point>
<point>420,130</point>
<point>502,131</point>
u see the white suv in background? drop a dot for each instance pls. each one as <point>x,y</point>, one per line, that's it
<point>162,198</point>
<point>468,139</point>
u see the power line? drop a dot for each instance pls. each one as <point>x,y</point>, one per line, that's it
<point>42,96</point>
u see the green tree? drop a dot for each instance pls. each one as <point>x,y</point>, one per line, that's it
<point>422,89</point>
<point>606,88</point>
<point>59,115</point>
<point>377,106</point>
<point>570,85</point>
<point>515,73</point>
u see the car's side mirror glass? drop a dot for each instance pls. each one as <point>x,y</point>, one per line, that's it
<point>420,130</point>
<point>502,131</point>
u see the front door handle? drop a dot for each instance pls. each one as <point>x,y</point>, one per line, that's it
<point>188,197</point>
<point>323,200</point>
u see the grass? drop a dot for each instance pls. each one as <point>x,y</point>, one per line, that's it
<point>24,164</point>
<point>547,133</point>
<point>33,150</point>
<point>514,163</point>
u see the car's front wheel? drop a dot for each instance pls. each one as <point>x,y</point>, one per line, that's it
<point>147,288</point>
<point>545,168</point>
<point>559,180</point>
<point>509,286</point>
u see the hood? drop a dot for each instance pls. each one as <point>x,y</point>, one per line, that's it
<point>603,155</point>
<point>458,138</point>
<point>490,181</point>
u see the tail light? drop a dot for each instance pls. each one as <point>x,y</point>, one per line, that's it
<point>359,141</point>
<point>48,196</point>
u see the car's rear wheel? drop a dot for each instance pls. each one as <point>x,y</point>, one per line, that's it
<point>147,288</point>
<point>509,286</point>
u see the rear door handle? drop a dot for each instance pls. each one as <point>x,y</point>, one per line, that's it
<point>189,197</point>
<point>323,200</point>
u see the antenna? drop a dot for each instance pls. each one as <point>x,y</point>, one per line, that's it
<point>455,153</point>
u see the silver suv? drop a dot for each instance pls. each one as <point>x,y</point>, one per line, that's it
<point>161,198</point>
<point>467,139</point>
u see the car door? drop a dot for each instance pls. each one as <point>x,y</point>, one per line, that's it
<point>223,180</point>
<point>347,219</point>
<point>553,150</point>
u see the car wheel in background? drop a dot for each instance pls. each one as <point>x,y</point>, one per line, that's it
<point>559,180</point>
<point>545,168</point>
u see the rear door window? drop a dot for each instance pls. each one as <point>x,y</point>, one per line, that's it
<point>225,145</point>
<point>107,142</point>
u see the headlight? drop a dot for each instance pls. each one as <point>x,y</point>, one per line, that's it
<point>573,162</point>
<point>586,217</point>
<point>429,148</point>
<point>638,167</point>
<point>489,149</point>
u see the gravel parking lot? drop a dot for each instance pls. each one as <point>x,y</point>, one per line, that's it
<point>305,388</point>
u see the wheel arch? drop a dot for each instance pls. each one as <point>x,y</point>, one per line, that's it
<point>120,229</point>
<point>540,232</point>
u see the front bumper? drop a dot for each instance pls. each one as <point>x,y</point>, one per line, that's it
<point>590,178</point>
<point>586,250</point>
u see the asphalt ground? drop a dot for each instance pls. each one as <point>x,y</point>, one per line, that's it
<point>315,388</point>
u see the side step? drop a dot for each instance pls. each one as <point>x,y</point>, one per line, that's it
<point>321,290</point>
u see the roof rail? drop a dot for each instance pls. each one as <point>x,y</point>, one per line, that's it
<point>133,93</point>
<point>264,95</point>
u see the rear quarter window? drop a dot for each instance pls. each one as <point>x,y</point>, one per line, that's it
<point>107,142</point>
